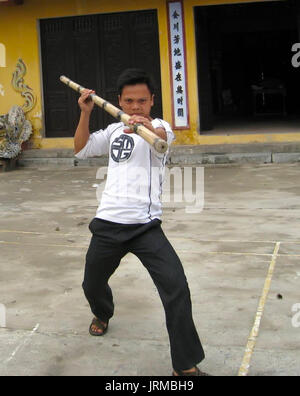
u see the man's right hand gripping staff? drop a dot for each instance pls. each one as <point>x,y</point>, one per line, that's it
<point>82,133</point>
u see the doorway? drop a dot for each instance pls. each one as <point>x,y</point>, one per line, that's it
<point>245,73</point>
<point>93,50</point>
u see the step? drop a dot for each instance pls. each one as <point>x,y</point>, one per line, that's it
<point>180,155</point>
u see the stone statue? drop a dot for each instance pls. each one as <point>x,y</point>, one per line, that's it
<point>14,128</point>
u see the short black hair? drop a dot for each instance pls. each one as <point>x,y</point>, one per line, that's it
<point>134,77</point>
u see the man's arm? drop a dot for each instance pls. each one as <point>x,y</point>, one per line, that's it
<point>160,132</point>
<point>82,133</point>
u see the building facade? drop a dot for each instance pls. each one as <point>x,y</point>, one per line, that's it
<point>223,69</point>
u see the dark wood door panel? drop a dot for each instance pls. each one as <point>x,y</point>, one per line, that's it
<point>93,50</point>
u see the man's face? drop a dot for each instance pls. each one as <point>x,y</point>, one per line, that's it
<point>136,100</point>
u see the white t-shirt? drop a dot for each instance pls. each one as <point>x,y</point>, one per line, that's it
<point>135,173</point>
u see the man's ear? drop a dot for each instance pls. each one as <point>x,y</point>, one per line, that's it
<point>152,100</point>
<point>119,98</point>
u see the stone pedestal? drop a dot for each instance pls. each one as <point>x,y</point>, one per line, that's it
<point>8,164</point>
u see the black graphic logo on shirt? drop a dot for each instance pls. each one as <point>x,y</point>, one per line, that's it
<point>121,148</point>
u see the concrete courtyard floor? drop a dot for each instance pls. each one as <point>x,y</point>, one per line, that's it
<point>240,253</point>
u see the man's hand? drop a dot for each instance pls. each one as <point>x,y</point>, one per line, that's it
<point>146,122</point>
<point>82,133</point>
<point>137,119</point>
<point>85,103</point>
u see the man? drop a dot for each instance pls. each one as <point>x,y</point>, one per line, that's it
<point>128,218</point>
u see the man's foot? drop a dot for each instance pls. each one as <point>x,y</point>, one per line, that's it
<point>193,372</point>
<point>98,327</point>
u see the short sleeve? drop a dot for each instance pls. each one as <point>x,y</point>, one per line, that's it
<point>97,145</point>
<point>158,123</point>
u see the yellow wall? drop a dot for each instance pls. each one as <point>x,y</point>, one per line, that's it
<point>19,34</point>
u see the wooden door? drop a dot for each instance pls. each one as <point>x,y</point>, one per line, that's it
<point>93,50</point>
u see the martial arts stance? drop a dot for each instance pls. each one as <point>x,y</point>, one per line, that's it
<point>128,218</point>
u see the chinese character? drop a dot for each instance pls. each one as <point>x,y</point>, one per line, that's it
<point>176,39</point>
<point>178,77</point>
<point>178,65</point>
<point>179,90</point>
<point>180,100</point>
<point>180,112</point>
<point>176,26</point>
<point>175,15</point>
<point>177,52</point>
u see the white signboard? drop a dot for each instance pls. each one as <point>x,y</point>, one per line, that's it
<point>178,66</point>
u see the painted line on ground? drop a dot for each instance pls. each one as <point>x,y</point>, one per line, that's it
<point>56,233</point>
<point>22,344</point>
<point>59,233</point>
<point>22,232</point>
<point>230,240</point>
<point>178,250</point>
<point>245,366</point>
<point>43,244</point>
<point>226,253</point>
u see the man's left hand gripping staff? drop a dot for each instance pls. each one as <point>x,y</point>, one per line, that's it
<point>146,122</point>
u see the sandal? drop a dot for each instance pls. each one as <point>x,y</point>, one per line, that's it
<point>100,325</point>
<point>196,373</point>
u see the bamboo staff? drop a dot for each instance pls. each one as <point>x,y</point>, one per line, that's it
<point>159,144</point>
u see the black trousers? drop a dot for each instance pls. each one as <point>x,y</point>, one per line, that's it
<point>112,241</point>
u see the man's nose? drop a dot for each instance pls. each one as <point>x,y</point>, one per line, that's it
<point>135,105</point>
